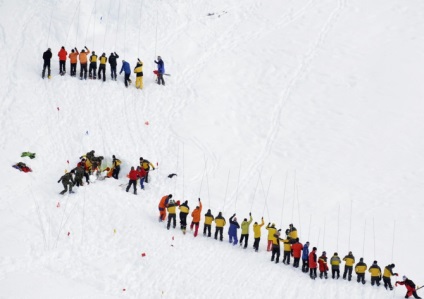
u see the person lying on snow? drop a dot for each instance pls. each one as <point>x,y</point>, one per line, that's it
<point>22,167</point>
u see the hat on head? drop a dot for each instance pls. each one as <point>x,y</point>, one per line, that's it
<point>404,277</point>
<point>314,248</point>
<point>273,224</point>
<point>324,253</point>
<point>335,253</point>
<point>392,265</point>
<point>170,195</point>
<point>361,259</point>
<point>141,158</point>
<point>375,262</point>
<point>113,156</point>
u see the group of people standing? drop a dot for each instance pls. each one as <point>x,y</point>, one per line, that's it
<point>291,245</point>
<point>90,63</point>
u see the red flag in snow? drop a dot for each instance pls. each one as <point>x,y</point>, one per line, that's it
<point>67,161</point>
<point>69,234</point>
<point>143,254</point>
<point>146,122</point>
<point>58,205</point>
<point>58,109</point>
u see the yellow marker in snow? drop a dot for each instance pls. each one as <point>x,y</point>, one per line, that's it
<point>114,231</point>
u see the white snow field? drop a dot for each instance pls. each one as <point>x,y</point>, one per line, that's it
<point>319,100</point>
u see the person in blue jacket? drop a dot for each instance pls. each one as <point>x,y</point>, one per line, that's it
<point>161,70</point>
<point>305,258</point>
<point>127,70</point>
<point>232,231</point>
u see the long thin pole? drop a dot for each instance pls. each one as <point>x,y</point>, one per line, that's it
<point>393,244</point>
<point>284,199</point>
<point>238,184</point>
<point>50,25</point>
<point>203,175</point>
<point>365,230</point>
<point>298,209</point>
<point>107,23</point>
<point>254,193</point>
<point>338,228</point>
<point>309,229</point>
<point>157,25</point>
<point>226,189</point>
<point>350,225</point>
<point>373,225</point>
<point>209,194</point>
<point>183,170</point>
<point>323,236</point>
<point>294,195</point>
<point>117,24</point>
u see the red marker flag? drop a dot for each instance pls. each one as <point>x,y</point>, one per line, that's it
<point>69,234</point>
<point>58,109</point>
<point>58,205</point>
<point>143,254</point>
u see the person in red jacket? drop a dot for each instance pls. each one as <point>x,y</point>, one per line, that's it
<point>410,287</point>
<point>62,60</point>
<point>297,252</point>
<point>313,263</point>
<point>142,175</point>
<point>162,207</point>
<point>133,175</point>
<point>323,267</point>
<point>196,218</point>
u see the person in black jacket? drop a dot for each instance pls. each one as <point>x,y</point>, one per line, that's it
<point>67,181</point>
<point>112,61</point>
<point>47,56</point>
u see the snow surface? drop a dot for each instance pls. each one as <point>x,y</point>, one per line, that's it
<point>320,100</point>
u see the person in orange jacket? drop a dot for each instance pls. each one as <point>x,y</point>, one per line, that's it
<point>196,218</point>
<point>133,176</point>
<point>297,252</point>
<point>83,62</point>
<point>73,57</point>
<point>163,204</point>
<point>313,263</point>
<point>62,60</point>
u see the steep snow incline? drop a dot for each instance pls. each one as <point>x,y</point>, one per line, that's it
<point>317,104</point>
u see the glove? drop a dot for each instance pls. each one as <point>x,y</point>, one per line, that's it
<point>58,181</point>
<point>199,199</point>
<point>86,47</point>
<point>234,214</point>
<point>396,274</point>
<point>250,214</point>
<point>396,284</point>
<point>269,223</point>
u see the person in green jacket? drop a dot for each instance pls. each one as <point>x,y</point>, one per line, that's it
<point>245,230</point>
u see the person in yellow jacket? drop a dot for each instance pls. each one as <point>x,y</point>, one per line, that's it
<point>287,251</point>
<point>271,232</point>
<point>102,67</point>
<point>146,164</point>
<point>360,269</point>
<point>208,223</point>
<point>388,272</point>
<point>335,265</point>
<point>219,226</point>
<point>276,247</point>
<point>292,233</point>
<point>93,66</point>
<point>349,261</point>
<point>116,167</point>
<point>83,62</point>
<point>375,271</point>
<point>138,71</point>
<point>257,234</point>
<point>184,211</point>
<point>172,213</point>
<point>245,231</point>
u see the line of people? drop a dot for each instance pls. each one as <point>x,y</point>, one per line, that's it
<point>291,245</point>
<point>91,62</point>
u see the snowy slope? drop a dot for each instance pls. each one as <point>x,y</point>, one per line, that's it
<point>319,100</point>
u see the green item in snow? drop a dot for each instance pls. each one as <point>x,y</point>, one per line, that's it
<point>28,154</point>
